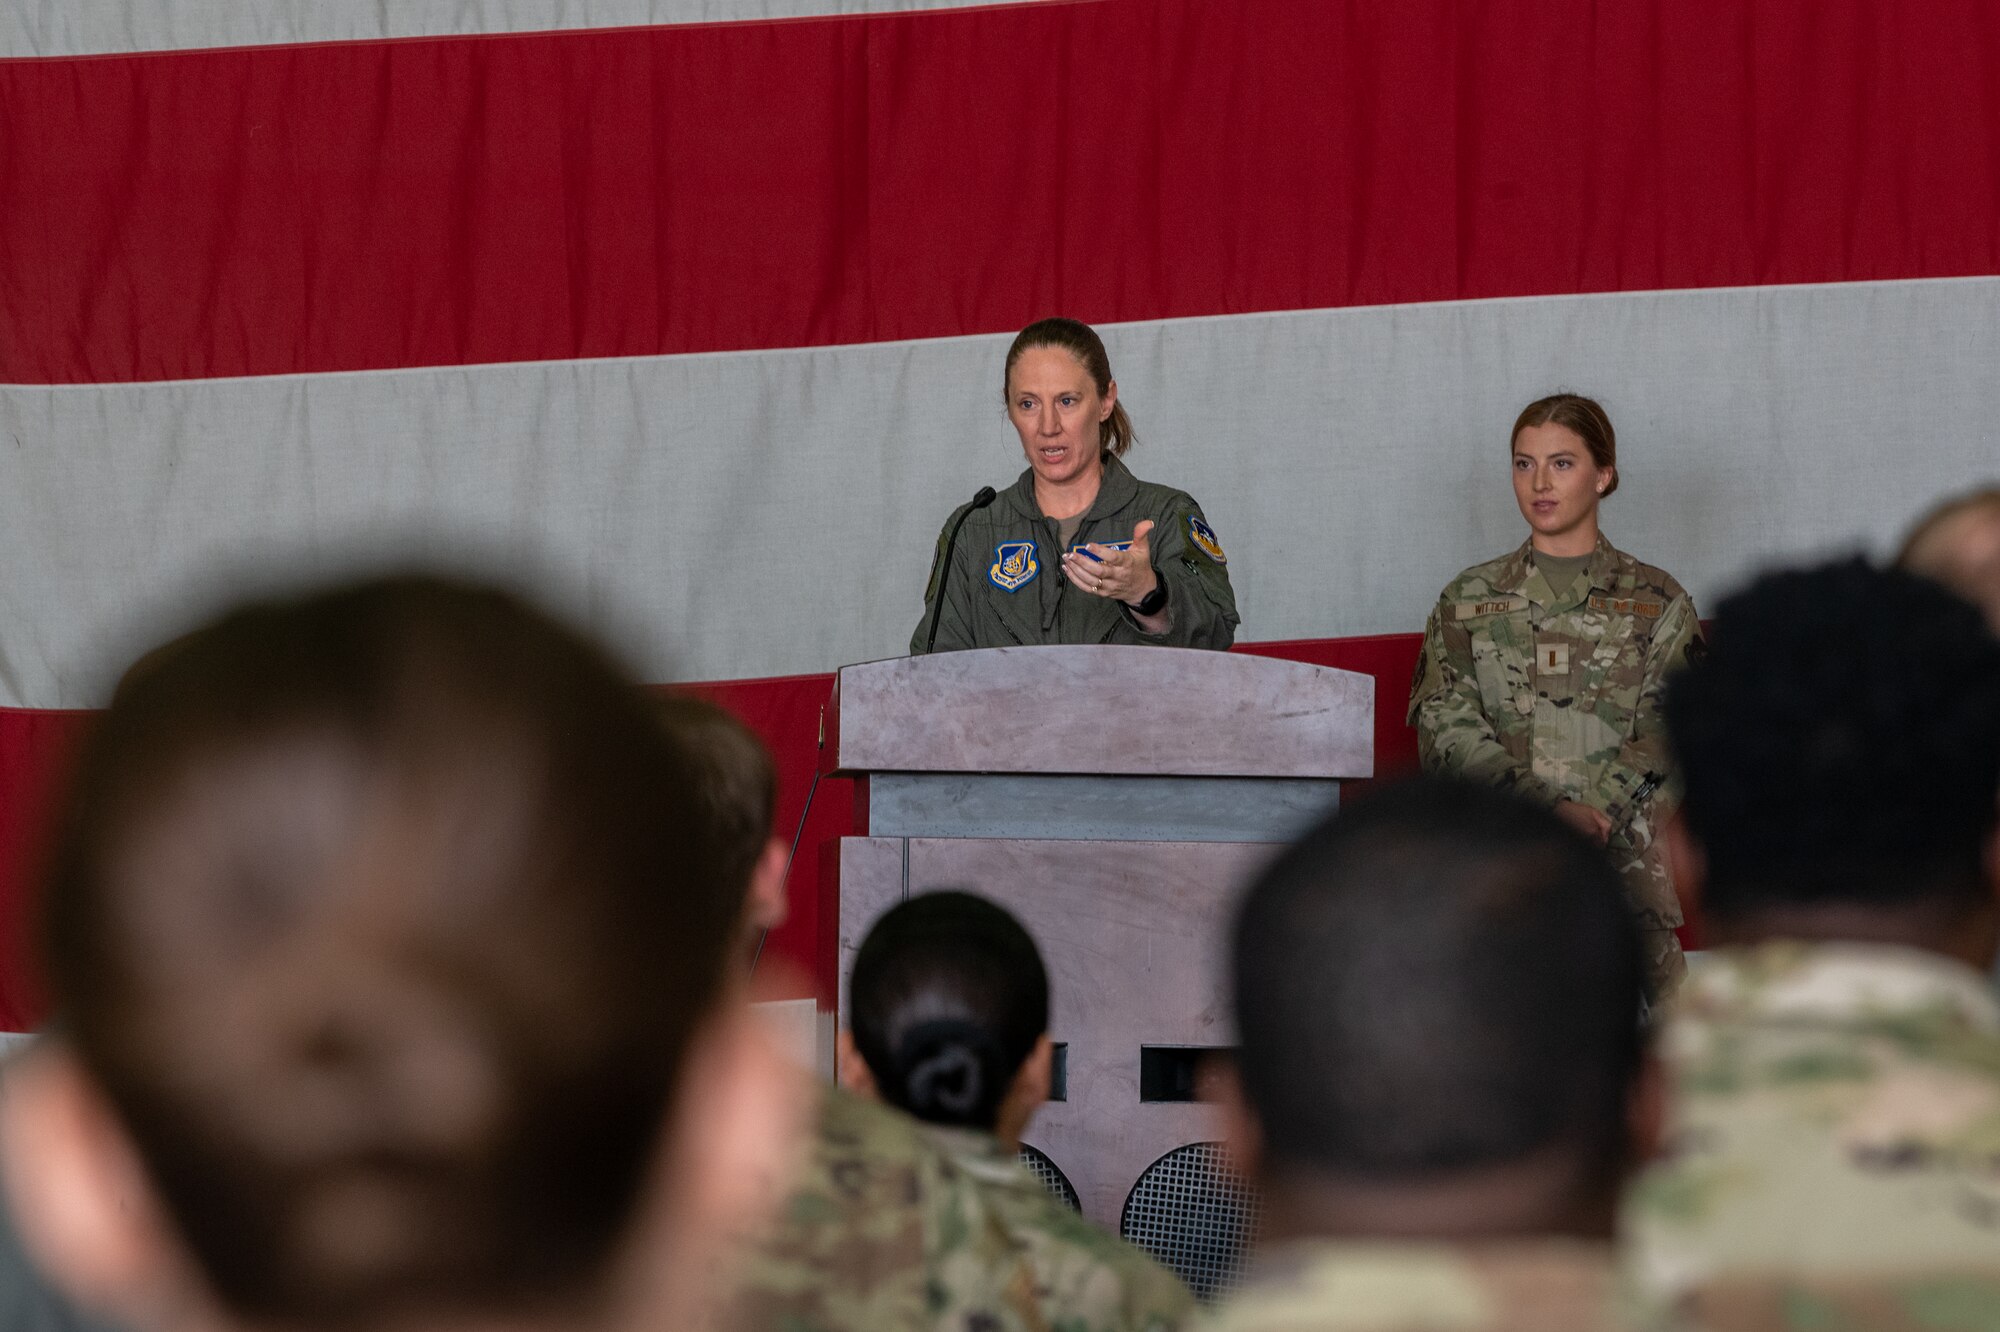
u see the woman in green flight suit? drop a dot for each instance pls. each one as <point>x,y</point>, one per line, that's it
<point>1542,670</point>
<point>1078,550</point>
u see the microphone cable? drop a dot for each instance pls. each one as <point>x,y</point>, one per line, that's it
<point>798,834</point>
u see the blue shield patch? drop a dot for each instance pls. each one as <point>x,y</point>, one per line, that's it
<point>1204,536</point>
<point>1014,565</point>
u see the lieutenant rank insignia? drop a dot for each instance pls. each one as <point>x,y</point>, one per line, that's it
<point>1014,565</point>
<point>1204,536</point>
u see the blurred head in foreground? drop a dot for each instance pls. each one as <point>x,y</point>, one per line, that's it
<point>948,1015</point>
<point>1438,995</point>
<point>1958,544</point>
<point>388,946</point>
<point>1841,749</point>
<point>737,785</point>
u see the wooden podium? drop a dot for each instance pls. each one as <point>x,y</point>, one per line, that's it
<point>1115,799</point>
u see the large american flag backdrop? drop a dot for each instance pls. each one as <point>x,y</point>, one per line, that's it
<point>688,315</point>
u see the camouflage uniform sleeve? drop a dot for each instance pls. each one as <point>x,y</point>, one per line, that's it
<point>1454,734</point>
<point>1199,598</point>
<point>1676,641</point>
<point>954,625</point>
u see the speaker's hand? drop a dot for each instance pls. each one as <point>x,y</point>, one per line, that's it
<point>1122,575</point>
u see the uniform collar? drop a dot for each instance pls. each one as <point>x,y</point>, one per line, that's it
<point>1847,983</point>
<point>979,1154</point>
<point>1115,489</point>
<point>1521,574</point>
<point>1416,1283</point>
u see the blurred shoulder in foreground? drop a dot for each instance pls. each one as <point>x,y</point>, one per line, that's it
<point>1833,1155</point>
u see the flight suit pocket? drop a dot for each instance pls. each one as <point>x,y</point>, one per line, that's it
<point>1014,613</point>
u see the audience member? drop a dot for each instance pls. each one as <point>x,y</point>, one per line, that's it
<point>389,965</point>
<point>949,1016</point>
<point>1835,1125</point>
<point>1443,1079</point>
<point>738,794</point>
<point>881,1229</point>
<point>1958,543</point>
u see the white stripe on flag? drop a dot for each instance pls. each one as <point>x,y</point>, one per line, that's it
<point>761,513</point>
<point>119,27</point>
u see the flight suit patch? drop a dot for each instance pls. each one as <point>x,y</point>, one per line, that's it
<point>1014,565</point>
<point>1552,659</point>
<point>1652,610</point>
<point>1204,537</point>
<point>1498,604</point>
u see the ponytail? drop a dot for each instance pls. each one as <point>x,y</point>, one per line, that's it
<point>946,1001</point>
<point>1115,434</point>
<point>949,1071</point>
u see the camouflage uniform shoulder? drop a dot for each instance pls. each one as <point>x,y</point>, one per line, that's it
<point>882,1231</point>
<point>1089,1280</point>
<point>1819,1090</point>
<point>1086,1278</point>
<point>1513,1286</point>
<point>1500,575</point>
<point>1638,578</point>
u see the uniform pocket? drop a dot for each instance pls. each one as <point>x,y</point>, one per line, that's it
<point>1499,681</point>
<point>1614,675</point>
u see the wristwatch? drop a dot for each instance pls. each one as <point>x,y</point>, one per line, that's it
<point>1154,601</point>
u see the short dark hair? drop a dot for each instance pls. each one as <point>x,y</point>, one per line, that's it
<point>1441,978</point>
<point>947,1000</point>
<point>738,783</point>
<point>385,918</point>
<point>1841,742</point>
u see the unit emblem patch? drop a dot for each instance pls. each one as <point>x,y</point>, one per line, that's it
<point>1204,536</point>
<point>1014,565</point>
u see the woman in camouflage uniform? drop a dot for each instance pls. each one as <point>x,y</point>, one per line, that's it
<point>948,1020</point>
<point>1541,671</point>
<point>1138,562</point>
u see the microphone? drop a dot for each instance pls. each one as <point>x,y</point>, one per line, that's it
<point>985,497</point>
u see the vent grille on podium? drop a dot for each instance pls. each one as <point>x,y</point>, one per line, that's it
<point>1191,1211</point>
<point>1053,1179</point>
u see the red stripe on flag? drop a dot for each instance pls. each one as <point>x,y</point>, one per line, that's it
<point>35,751</point>
<point>634,192</point>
